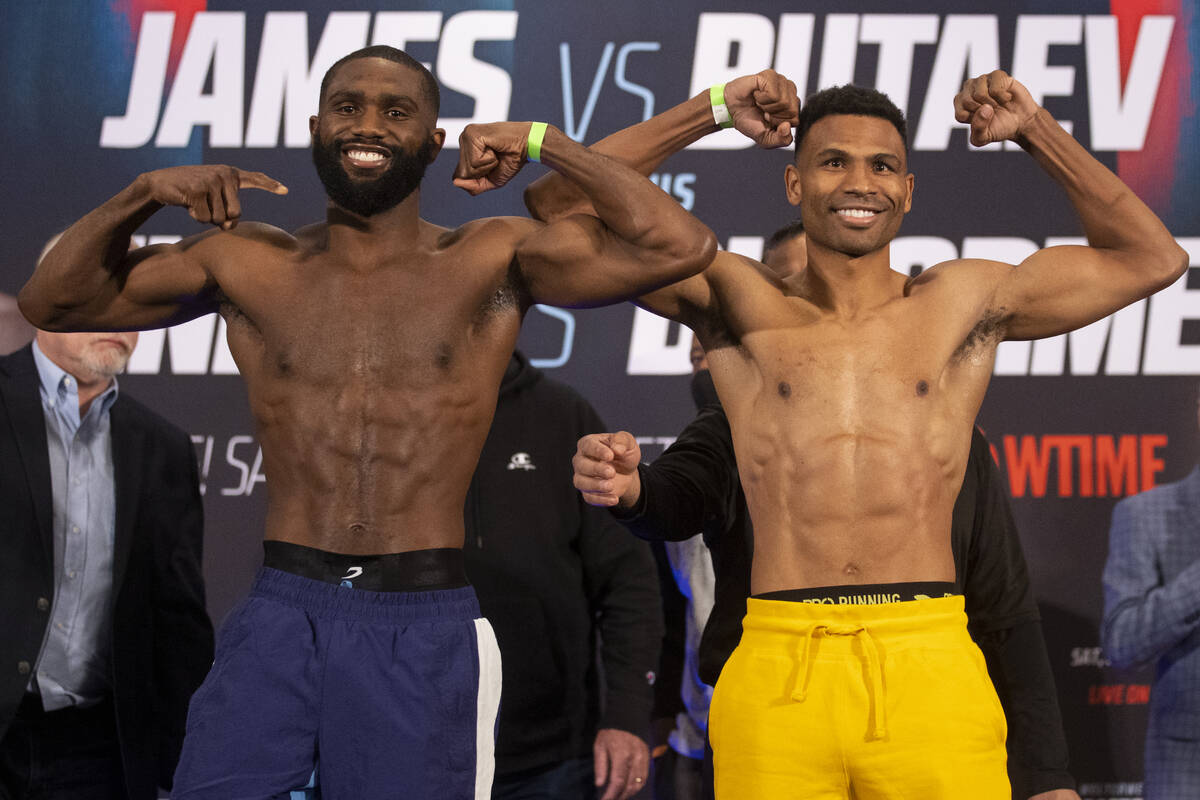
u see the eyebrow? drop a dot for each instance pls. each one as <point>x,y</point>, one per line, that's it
<point>359,96</point>
<point>830,152</point>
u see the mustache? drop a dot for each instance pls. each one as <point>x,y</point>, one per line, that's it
<point>347,141</point>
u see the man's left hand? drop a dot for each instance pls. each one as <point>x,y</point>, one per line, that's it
<point>622,763</point>
<point>1056,794</point>
<point>996,106</point>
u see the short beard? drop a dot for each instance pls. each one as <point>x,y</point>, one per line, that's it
<point>104,365</point>
<point>366,198</point>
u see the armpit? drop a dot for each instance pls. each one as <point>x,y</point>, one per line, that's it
<point>987,333</point>
<point>512,294</point>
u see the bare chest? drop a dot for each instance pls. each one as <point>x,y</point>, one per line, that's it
<point>419,323</point>
<point>845,374</point>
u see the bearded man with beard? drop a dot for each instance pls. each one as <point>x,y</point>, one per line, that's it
<point>101,597</point>
<point>372,345</point>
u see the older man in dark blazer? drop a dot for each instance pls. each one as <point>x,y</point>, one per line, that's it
<point>103,630</point>
<point>1152,615</point>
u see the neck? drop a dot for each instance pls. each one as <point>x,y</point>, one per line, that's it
<point>89,391</point>
<point>846,284</point>
<point>396,228</point>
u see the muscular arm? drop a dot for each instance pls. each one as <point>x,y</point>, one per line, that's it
<point>763,107</point>
<point>1130,253</point>
<point>1005,624</point>
<point>635,240</point>
<point>639,239</point>
<point>90,280</point>
<point>1144,616</point>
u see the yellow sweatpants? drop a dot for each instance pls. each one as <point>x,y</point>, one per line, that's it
<point>857,702</point>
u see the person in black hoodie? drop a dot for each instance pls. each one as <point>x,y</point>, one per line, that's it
<point>551,573</point>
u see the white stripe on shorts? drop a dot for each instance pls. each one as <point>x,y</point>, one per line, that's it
<point>486,707</point>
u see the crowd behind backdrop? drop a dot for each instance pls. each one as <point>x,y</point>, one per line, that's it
<point>97,92</point>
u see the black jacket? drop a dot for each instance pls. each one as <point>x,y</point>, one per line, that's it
<point>694,487</point>
<point>551,573</point>
<point>162,641</point>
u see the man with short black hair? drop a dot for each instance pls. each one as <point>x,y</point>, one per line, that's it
<point>372,345</point>
<point>852,392</point>
<point>694,486</point>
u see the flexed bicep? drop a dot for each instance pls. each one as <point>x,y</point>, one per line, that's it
<point>90,281</point>
<point>578,261</point>
<point>1063,288</point>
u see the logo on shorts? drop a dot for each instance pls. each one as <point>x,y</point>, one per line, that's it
<point>521,461</point>
<point>351,574</point>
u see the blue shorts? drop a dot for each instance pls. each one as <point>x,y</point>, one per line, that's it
<point>394,693</point>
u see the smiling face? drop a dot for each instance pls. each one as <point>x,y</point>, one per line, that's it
<point>374,135</point>
<point>851,181</point>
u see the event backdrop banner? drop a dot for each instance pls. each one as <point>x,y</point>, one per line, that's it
<point>97,92</point>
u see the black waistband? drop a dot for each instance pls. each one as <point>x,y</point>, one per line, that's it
<point>411,571</point>
<point>864,594</point>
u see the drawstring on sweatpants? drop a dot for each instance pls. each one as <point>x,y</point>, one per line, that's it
<point>874,669</point>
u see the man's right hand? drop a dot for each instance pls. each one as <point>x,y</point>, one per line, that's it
<point>764,107</point>
<point>208,191</point>
<point>606,469</point>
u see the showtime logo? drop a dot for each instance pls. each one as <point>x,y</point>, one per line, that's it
<point>1085,466</point>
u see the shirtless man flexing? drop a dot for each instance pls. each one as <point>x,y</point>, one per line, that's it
<point>851,391</point>
<point>372,345</point>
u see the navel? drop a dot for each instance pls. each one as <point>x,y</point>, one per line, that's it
<point>444,357</point>
<point>785,390</point>
<point>850,569</point>
<point>922,388</point>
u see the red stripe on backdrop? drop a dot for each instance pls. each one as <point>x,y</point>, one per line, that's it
<point>1151,171</point>
<point>184,10</point>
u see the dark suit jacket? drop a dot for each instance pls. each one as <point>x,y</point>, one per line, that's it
<point>162,644</point>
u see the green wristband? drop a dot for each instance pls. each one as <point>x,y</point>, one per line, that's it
<point>533,147</point>
<point>720,112</point>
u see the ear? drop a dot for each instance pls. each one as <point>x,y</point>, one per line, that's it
<point>910,180</point>
<point>791,184</point>
<point>438,137</point>
<point>312,126</point>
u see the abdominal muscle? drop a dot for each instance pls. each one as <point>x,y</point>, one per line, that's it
<point>359,467</point>
<point>836,508</point>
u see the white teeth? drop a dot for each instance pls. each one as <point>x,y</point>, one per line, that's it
<point>856,213</point>
<point>365,155</point>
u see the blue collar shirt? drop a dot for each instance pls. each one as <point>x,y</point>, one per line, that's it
<point>73,666</point>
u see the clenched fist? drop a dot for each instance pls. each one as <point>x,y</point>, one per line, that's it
<point>764,107</point>
<point>996,105</point>
<point>606,469</point>
<point>490,155</point>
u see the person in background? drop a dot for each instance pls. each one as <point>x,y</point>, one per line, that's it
<point>15,332</point>
<point>102,617</point>
<point>560,580</point>
<point>1152,616</point>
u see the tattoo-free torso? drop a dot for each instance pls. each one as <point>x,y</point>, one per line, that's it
<point>372,380</point>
